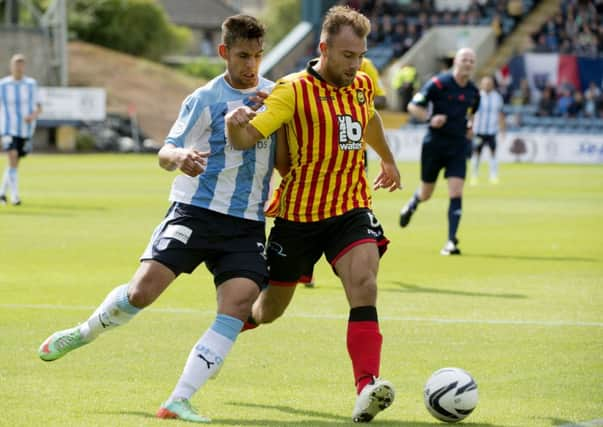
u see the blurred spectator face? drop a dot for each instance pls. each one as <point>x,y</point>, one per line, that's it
<point>487,84</point>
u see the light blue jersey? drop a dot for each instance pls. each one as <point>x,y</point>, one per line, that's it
<point>235,182</point>
<point>18,99</point>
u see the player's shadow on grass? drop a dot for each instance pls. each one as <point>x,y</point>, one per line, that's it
<point>567,423</point>
<point>410,288</point>
<point>329,419</point>
<point>334,419</point>
<point>533,258</point>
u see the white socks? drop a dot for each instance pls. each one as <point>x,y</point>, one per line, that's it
<point>114,311</point>
<point>10,179</point>
<point>474,166</point>
<point>207,356</point>
<point>493,167</point>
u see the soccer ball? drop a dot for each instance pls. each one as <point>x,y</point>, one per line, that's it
<point>450,394</point>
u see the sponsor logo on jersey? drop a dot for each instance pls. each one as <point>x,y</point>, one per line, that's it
<point>350,133</point>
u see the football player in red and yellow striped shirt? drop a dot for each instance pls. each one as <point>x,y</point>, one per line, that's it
<point>323,204</point>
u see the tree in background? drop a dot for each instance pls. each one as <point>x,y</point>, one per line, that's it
<point>137,27</point>
<point>280,17</point>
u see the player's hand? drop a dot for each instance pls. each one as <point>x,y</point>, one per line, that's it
<point>239,116</point>
<point>258,99</point>
<point>438,120</point>
<point>193,162</point>
<point>389,177</point>
<point>30,118</point>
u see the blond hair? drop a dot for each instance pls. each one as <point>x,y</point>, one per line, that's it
<point>342,16</point>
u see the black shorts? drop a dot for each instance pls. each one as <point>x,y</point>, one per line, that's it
<point>481,140</point>
<point>449,155</point>
<point>230,247</point>
<point>16,143</point>
<point>294,247</point>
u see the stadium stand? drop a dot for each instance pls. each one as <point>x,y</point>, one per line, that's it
<point>555,93</point>
<point>397,26</point>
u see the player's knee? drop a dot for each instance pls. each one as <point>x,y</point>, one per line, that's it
<point>239,308</point>
<point>363,289</point>
<point>142,293</point>
<point>268,310</point>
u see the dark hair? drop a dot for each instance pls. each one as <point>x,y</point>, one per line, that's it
<point>341,16</point>
<point>239,27</point>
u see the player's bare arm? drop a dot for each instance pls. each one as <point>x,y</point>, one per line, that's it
<point>282,163</point>
<point>241,134</point>
<point>191,162</point>
<point>389,176</point>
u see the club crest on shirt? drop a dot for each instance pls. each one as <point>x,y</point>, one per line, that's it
<point>360,97</point>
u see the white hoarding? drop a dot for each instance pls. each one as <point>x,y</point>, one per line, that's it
<point>73,104</point>
<point>527,147</point>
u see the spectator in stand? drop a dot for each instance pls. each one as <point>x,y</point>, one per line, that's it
<point>541,45</point>
<point>387,29</point>
<point>398,40</point>
<point>599,110</point>
<point>546,104</point>
<point>411,37</point>
<point>575,30</point>
<point>590,99</point>
<point>423,25</point>
<point>586,42</point>
<point>473,18</point>
<point>447,19</point>
<point>515,10</point>
<point>496,25</point>
<point>374,37</point>
<point>522,95</point>
<point>563,103</point>
<point>576,108</point>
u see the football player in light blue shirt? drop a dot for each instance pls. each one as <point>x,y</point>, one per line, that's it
<point>19,109</point>
<point>216,217</point>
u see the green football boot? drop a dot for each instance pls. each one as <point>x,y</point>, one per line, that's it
<point>60,343</point>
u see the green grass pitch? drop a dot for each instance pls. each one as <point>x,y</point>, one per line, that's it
<point>521,309</point>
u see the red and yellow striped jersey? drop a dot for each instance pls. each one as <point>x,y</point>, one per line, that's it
<point>325,125</point>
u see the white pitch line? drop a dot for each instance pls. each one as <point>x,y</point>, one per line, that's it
<point>591,423</point>
<point>551,323</point>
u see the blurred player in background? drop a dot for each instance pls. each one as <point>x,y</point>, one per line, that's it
<point>369,68</point>
<point>323,203</point>
<point>216,217</point>
<point>19,109</point>
<point>454,99</point>
<point>488,121</point>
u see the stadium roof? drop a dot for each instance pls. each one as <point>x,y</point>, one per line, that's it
<point>201,14</point>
